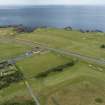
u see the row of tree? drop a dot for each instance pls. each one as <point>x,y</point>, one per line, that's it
<point>83,31</point>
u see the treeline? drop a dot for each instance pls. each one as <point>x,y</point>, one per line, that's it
<point>22,102</point>
<point>21,29</point>
<point>84,31</point>
<point>5,81</point>
<point>69,28</point>
<point>59,68</point>
<point>8,26</point>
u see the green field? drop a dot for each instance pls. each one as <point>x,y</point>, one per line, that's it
<point>30,66</point>
<point>80,84</point>
<point>9,49</point>
<point>83,43</point>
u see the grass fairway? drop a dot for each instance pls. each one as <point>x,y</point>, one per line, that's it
<point>83,43</point>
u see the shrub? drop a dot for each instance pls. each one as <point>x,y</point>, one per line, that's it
<point>98,100</point>
<point>102,46</point>
<point>69,28</point>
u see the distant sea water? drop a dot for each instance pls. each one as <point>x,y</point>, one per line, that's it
<point>78,17</point>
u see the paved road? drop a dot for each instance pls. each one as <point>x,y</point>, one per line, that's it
<point>64,52</point>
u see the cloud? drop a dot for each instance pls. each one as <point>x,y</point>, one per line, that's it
<point>43,2</point>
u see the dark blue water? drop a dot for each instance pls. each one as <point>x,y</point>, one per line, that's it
<point>85,17</point>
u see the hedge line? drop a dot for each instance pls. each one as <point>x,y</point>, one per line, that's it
<point>59,68</point>
<point>24,102</point>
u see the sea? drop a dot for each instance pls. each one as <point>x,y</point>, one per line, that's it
<point>77,17</point>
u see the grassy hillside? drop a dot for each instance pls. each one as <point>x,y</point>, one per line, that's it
<point>82,83</point>
<point>9,50</point>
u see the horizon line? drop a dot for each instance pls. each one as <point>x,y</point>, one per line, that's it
<point>51,5</point>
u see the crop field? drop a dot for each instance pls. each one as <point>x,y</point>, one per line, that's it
<point>55,78</point>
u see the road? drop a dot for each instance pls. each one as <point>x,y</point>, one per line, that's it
<point>64,52</point>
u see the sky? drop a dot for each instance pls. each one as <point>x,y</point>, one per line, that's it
<point>52,2</point>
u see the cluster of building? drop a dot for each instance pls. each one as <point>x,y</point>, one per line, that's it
<point>6,68</point>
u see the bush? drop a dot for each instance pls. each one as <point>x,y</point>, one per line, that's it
<point>98,100</point>
<point>69,28</point>
<point>102,46</point>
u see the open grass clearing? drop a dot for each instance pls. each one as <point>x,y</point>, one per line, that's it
<point>41,62</point>
<point>18,89</point>
<point>9,50</point>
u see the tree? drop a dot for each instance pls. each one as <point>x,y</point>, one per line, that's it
<point>69,28</point>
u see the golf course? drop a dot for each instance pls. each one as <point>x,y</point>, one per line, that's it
<point>52,66</point>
